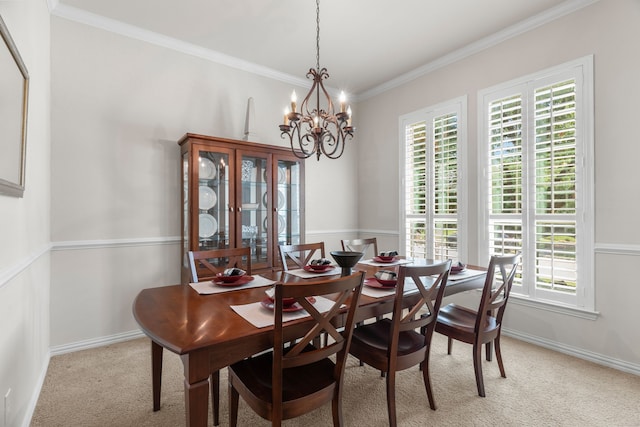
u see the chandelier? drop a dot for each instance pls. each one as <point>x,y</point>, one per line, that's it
<point>316,129</point>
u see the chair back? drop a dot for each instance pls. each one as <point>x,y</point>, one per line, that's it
<point>204,265</point>
<point>430,280</point>
<point>497,287</point>
<point>300,254</point>
<point>311,348</point>
<point>361,245</point>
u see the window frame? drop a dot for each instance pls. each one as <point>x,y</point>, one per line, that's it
<point>459,107</point>
<point>582,71</point>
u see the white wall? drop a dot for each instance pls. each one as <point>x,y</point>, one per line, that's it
<point>24,228</point>
<point>119,107</point>
<point>607,30</point>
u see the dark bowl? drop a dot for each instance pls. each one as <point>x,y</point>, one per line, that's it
<point>323,267</point>
<point>386,258</point>
<point>229,279</point>
<point>387,282</point>
<point>286,302</point>
<point>458,267</point>
<point>346,259</point>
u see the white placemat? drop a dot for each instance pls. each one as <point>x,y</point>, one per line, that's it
<point>260,316</point>
<point>206,288</point>
<point>466,274</point>
<point>310,275</point>
<point>385,264</point>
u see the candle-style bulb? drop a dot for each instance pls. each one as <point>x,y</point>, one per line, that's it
<point>343,100</point>
<point>349,116</point>
<point>294,98</point>
<point>286,116</point>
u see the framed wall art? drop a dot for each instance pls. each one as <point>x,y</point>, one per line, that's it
<point>14,94</point>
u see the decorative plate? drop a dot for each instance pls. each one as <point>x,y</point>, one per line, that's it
<point>207,197</point>
<point>207,225</point>
<point>207,169</point>
<point>372,282</point>
<point>243,279</point>
<point>384,260</point>
<point>318,269</point>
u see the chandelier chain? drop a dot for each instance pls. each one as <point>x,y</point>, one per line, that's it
<point>318,35</point>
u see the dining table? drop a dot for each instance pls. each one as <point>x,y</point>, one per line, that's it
<point>203,324</point>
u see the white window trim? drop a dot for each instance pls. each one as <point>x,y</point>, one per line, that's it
<point>459,106</point>
<point>583,68</point>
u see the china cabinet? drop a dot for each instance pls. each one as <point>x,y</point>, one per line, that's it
<point>240,194</point>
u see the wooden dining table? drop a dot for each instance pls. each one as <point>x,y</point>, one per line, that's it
<point>209,335</point>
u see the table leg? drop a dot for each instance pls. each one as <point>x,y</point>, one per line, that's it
<point>156,373</point>
<point>196,388</point>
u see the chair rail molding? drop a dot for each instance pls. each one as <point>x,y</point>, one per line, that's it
<point>617,249</point>
<point>114,243</point>
<point>7,275</point>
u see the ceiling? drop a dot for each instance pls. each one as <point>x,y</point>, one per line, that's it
<point>363,43</point>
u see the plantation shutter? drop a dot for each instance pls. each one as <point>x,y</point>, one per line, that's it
<point>555,187</point>
<point>416,189</point>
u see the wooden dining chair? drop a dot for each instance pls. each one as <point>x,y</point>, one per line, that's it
<point>404,340</point>
<point>484,325</point>
<point>300,254</point>
<point>204,265</point>
<point>293,380</point>
<point>369,247</point>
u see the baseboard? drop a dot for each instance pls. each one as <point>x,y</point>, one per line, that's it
<point>36,392</point>
<point>96,342</point>
<point>600,359</point>
<point>597,358</point>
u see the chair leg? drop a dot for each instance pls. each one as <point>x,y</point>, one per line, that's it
<point>391,398</point>
<point>496,345</point>
<point>477,366</point>
<point>449,345</point>
<point>336,409</point>
<point>234,398</point>
<point>215,397</point>
<point>427,381</point>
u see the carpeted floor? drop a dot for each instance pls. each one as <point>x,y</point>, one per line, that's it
<point>111,386</point>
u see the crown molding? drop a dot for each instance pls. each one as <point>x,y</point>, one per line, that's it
<point>91,19</point>
<point>529,24</point>
<point>107,24</point>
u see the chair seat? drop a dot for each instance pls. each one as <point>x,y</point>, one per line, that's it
<point>255,373</point>
<point>375,336</point>
<point>462,319</point>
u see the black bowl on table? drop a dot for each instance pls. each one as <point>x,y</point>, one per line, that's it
<point>346,260</point>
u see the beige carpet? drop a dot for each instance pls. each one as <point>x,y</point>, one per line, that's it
<point>111,386</point>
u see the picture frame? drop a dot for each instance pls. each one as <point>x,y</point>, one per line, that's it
<point>14,95</point>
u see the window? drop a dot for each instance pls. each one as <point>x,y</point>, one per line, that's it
<point>536,149</point>
<point>432,155</point>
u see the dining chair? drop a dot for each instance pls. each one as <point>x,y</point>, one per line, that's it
<point>293,380</point>
<point>362,245</point>
<point>484,325</point>
<point>204,265</point>
<point>404,340</point>
<point>300,254</point>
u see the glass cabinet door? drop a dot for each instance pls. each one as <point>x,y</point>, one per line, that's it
<point>254,205</point>
<point>288,203</point>
<point>213,201</point>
